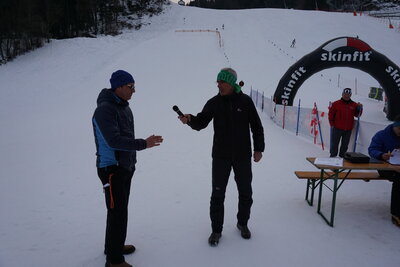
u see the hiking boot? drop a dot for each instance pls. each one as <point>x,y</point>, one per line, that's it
<point>128,249</point>
<point>213,240</point>
<point>244,231</point>
<point>124,264</point>
<point>396,220</point>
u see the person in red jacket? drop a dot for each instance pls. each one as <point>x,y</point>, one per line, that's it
<point>341,119</point>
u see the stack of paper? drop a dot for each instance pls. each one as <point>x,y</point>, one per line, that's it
<point>395,157</point>
<point>338,162</point>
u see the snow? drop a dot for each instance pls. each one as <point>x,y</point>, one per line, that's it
<point>52,205</point>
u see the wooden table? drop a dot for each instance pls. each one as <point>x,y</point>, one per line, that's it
<point>334,175</point>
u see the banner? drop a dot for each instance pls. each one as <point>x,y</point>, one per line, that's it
<point>343,52</point>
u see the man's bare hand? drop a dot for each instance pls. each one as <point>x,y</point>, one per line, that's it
<point>386,156</point>
<point>185,118</point>
<point>153,140</point>
<point>257,156</point>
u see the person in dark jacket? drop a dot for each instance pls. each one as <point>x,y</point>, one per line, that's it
<point>116,146</point>
<point>341,119</point>
<point>382,144</point>
<point>233,114</point>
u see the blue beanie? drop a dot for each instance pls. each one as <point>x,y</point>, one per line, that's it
<point>120,78</point>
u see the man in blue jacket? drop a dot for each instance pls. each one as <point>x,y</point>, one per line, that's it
<point>382,144</point>
<point>116,146</point>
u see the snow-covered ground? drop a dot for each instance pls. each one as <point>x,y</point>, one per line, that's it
<point>52,205</point>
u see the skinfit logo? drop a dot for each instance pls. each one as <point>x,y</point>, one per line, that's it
<point>394,74</point>
<point>339,56</point>
<point>296,75</point>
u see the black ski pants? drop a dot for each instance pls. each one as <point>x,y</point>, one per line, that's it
<point>336,135</point>
<point>394,177</point>
<point>221,169</point>
<point>117,184</point>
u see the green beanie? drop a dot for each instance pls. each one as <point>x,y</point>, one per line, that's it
<point>229,78</point>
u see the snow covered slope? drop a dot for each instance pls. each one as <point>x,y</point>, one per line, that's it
<point>52,203</point>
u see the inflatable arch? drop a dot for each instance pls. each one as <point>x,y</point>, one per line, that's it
<point>343,52</point>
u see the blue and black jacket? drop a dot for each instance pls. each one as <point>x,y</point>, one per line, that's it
<point>383,141</point>
<point>114,132</point>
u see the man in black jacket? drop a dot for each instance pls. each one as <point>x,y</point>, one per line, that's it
<point>116,158</point>
<point>233,114</point>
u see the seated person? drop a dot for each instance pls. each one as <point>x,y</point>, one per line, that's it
<point>384,142</point>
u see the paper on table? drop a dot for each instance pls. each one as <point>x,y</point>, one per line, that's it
<point>395,157</point>
<point>329,161</point>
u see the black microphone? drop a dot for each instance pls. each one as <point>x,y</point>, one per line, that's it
<point>176,109</point>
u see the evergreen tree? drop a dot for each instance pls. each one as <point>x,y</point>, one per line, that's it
<point>27,24</point>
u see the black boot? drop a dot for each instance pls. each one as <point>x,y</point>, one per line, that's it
<point>124,264</point>
<point>244,231</point>
<point>396,220</point>
<point>128,249</point>
<point>213,240</point>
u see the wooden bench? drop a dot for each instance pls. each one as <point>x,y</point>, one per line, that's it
<point>333,176</point>
<point>314,179</point>
<point>371,175</point>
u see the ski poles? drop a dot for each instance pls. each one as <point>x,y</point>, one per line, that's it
<point>330,133</point>
<point>298,118</point>
<point>357,129</point>
<point>319,126</point>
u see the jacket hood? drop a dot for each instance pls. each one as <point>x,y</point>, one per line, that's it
<point>389,129</point>
<point>109,96</point>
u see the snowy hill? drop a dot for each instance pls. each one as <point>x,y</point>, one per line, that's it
<point>52,203</point>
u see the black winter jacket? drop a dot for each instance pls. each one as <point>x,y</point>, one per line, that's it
<point>114,132</point>
<point>234,116</point>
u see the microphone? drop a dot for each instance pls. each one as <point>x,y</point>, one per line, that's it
<point>176,109</point>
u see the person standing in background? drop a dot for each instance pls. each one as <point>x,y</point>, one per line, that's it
<point>341,119</point>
